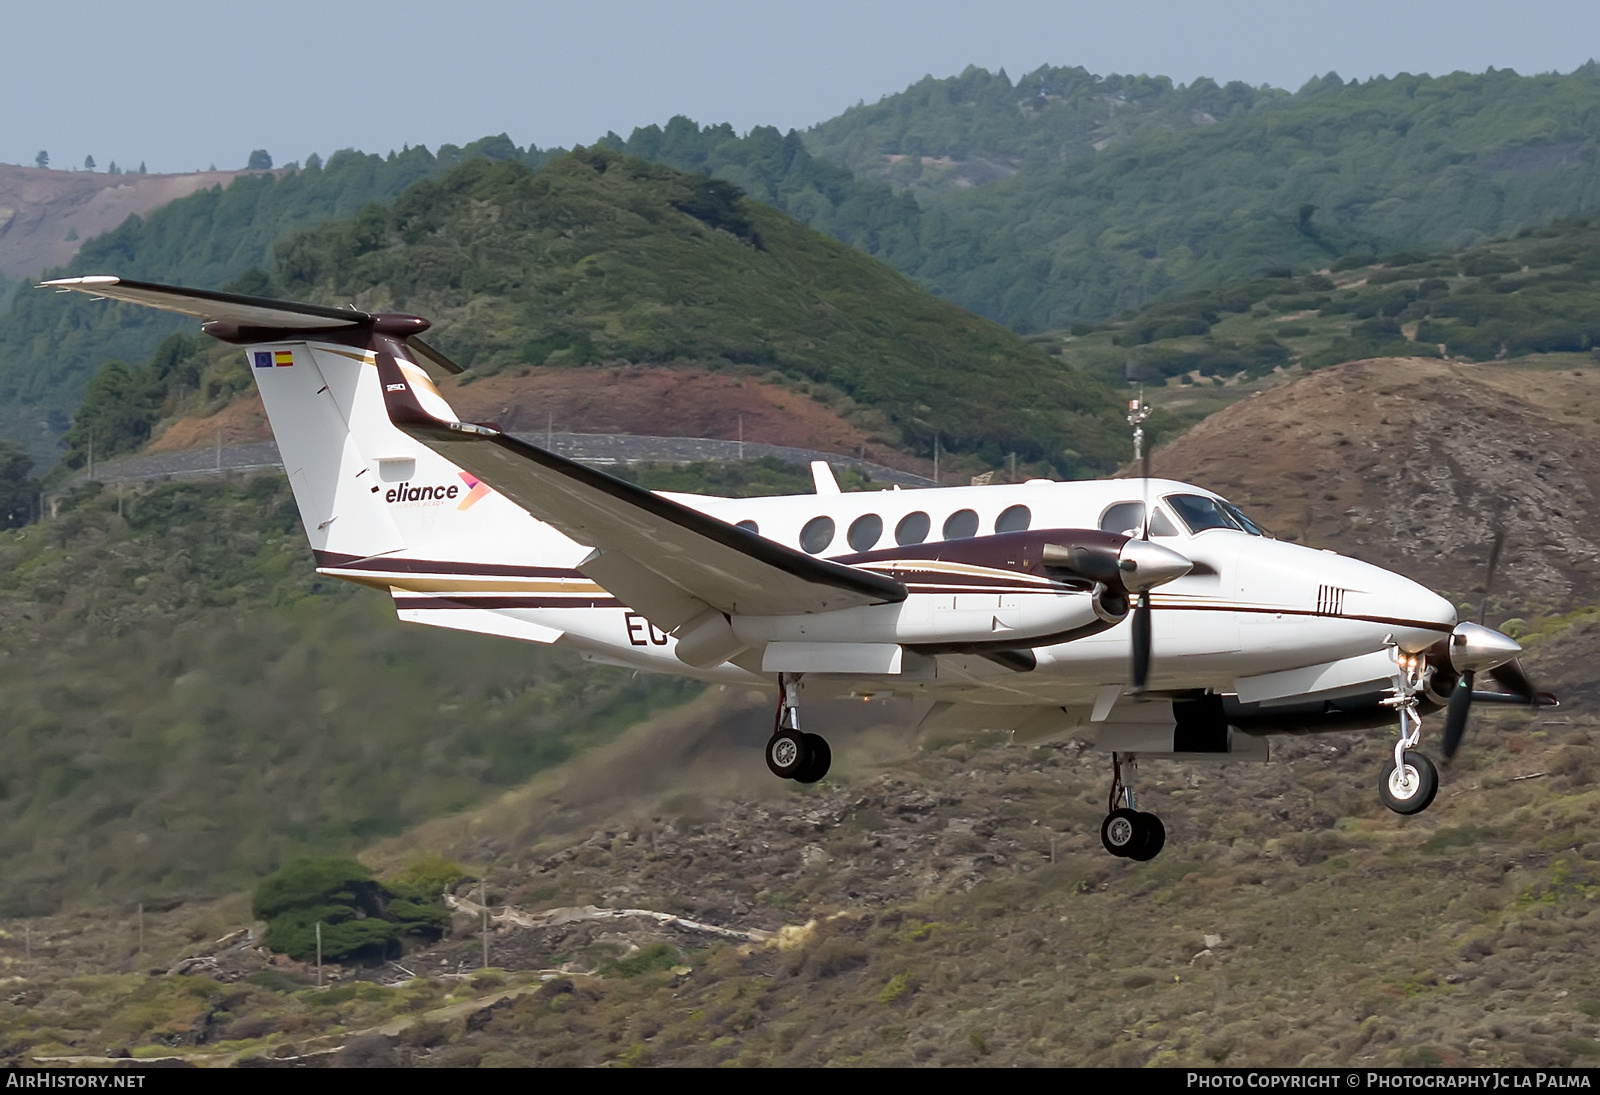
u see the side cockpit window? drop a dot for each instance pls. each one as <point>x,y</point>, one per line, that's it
<point>1127,519</point>
<point>1124,518</point>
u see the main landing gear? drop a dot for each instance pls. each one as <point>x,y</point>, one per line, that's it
<point>1126,832</point>
<point>804,758</point>
<point>1409,780</point>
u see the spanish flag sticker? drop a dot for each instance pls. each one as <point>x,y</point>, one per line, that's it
<point>280,358</point>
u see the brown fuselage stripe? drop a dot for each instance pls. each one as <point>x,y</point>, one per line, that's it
<point>467,599</point>
<point>373,572</point>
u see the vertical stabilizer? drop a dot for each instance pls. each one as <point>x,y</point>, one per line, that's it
<point>363,487</point>
<point>332,477</point>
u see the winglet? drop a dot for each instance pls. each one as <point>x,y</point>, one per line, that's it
<point>822,476</point>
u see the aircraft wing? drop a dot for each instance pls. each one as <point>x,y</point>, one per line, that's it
<point>662,558</point>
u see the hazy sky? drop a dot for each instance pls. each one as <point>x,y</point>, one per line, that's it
<point>183,85</point>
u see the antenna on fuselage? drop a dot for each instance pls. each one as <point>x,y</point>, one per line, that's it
<point>1138,411</point>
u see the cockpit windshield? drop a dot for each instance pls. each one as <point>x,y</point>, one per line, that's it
<point>1201,513</point>
<point>1249,526</point>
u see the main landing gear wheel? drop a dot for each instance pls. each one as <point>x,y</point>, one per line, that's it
<point>1409,788</point>
<point>1131,834</point>
<point>787,753</point>
<point>1119,832</point>
<point>1126,831</point>
<point>804,758</point>
<point>1153,837</point>
<point>818,759</point>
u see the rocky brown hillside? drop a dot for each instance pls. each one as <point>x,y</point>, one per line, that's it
<point>1412,463</point>
<point>937,901</point>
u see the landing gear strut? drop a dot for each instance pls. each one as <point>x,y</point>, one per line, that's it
<point>1126,832</point>
<point>1409,780</point>
<point>804,758</point>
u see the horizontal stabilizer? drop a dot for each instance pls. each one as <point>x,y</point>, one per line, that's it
<point>210,307</point>
<point>234,317</point>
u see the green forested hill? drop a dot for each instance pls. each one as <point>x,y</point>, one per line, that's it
<point>781,171</point>
<point>1124,190</point>
<point>1535,293</point>
<point>1412,161</point>
<point>602,258</point>
<point>978,127</point>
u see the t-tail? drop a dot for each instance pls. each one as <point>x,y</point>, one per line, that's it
<point>378,506</point>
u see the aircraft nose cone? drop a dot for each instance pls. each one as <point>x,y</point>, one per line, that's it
<point>1420,606</point>
<point>1476,647</point>
<point>1417,615</point>
<point>1145,565</point>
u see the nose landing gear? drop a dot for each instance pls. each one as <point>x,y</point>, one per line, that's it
<point>804,758</point>
<point>1409,781</point>
<point>1126,832</point>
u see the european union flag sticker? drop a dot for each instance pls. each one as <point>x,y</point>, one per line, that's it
<point>263,359</point>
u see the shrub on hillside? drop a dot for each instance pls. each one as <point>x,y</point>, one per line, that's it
<point>362,919</point>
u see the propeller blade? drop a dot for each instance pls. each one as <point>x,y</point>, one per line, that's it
<point>1141,642</point>
<point>1145,476</point>
<point>1488,578</point>
<point>1455,720</point>
<point>1514,679</point>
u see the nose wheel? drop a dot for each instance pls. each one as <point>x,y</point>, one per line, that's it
<point>1127,832</point>
<point>1409,787</point>
<point>804,758</point>
<point>1409,781</point>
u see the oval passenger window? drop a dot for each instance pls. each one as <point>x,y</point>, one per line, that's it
<point>817,535</point>
<point>864,531</point>
<point>912,529</point>
<point>960,525</point>
<point>750,527</point>
<point>1015,519</point>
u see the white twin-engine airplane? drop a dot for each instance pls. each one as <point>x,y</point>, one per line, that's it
<point>1151,614</point>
